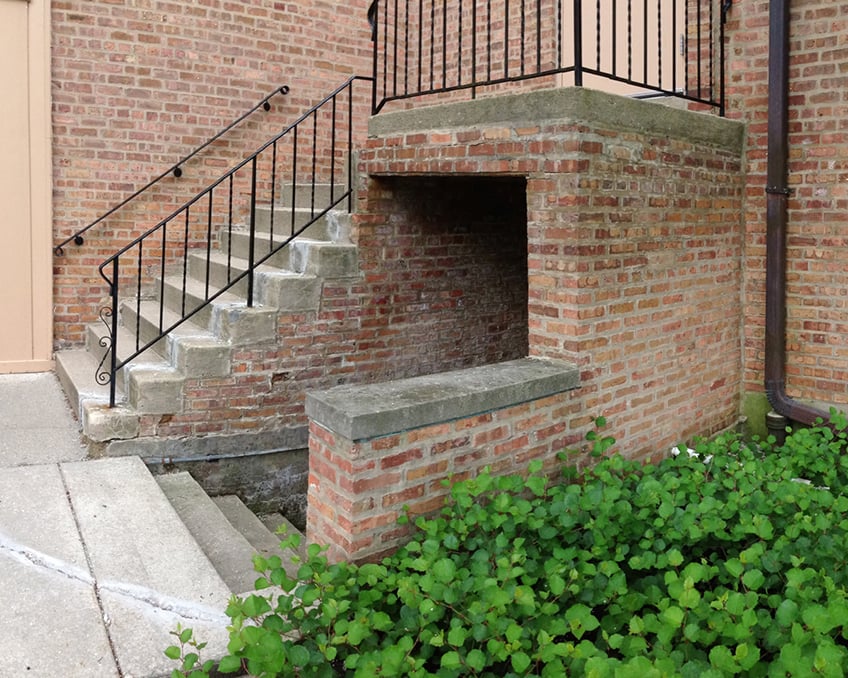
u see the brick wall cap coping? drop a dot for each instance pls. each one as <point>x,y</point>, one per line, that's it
<point>572,104</point>
<point>361,412</point>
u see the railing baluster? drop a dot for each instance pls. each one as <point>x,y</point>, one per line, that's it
<point>474,49</point>
<point>630,39</point>
<point>251,263</point>
<point>113,358</point>
<point>349,150</point>
<point>645,40</point>
<point>488,39</point>
<point>614,38</point>
<point>538,36</point>
<point>395,57</point>
<point>273,193</point>
<point>314,160</point>
<point>208,244</point>
<point>506,39</point>
<point>162,276</point>
<point>420,42</point>
<point>138,295</point>
<point>444,43</point>
<point>674,45</point>
<point>523,35</point>
<point>333,154</point>
<point>432,43</point>
<point>578,43</point>
<point>230,231</point>
<point>699,45</point>
<point>185,258</point>
<point>660,43</point>
<point>459,48</point>
<point>598,35</point>
<point>294,180</point>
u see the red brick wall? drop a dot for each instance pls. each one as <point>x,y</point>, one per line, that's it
<point>817,271</point>
<point>635,249</point>
<point>137,86</point>
<point>357,489</point>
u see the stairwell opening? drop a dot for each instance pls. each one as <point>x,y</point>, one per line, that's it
<point>450,261</point>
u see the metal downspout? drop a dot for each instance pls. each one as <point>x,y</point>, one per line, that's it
<point>777,194</point>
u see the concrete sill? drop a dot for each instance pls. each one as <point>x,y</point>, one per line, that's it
<point>361,412</point>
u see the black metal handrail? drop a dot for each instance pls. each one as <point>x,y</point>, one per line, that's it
<point>318,143</point>
<point>659,47</point>
<point>175,169</point>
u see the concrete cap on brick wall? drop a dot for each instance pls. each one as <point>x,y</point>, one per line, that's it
<point>360,412</point>
<point>571,104</point>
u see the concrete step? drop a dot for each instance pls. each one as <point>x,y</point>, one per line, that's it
<point>279,525</point>
<point>301,194</point>
<point>191,349</point>
<point>227,549</point>
<point>284,221</point>
<point>89,400</point>
<point>228,318</point>
<point>324,259</point>
<point>151,573</point>
<point>263,540</point>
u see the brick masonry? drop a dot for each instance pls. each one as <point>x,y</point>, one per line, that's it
<point>817,257</point>
<point>634,240</point>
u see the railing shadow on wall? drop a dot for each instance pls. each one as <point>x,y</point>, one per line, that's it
<point>655,47</point>
<point>314,149</point>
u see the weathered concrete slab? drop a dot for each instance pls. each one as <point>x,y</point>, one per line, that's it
<point>573,104</point>
<point>37,425</point>
<point>365,411</point>
<point>44,578</point>
<point>150,571</point>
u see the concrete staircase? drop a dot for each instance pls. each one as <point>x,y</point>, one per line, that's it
<point>101,560</point>
<point>152,384</point>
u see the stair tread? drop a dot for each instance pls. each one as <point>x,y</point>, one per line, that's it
<point>225,546</point>
<point>254,530</point>
<point>275,521</point>
<point>151,571</point>
<point>238,264</point>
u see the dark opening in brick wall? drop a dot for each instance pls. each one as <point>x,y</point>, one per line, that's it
<point>452,257</point>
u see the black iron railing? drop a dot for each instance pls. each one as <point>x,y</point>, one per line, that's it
<point>650,47</point>
<point>314,150</point>
<point>175,170</point>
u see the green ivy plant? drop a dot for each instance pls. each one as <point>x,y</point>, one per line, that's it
<point>729,562</point>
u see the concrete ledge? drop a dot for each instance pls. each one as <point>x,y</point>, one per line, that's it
<point>360,412</point>
<point>569,104</point>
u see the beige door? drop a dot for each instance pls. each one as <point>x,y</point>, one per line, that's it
<point>639,40</point>
<point>25,215</point>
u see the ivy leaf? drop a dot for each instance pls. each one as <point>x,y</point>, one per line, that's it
<point>520,662</point>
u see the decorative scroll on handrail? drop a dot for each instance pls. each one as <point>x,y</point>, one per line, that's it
<point>176,170</point>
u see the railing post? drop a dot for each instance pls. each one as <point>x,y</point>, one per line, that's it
<point>578,43</point>
<point>252,244</point>
<point>373,20</point>
<point>113,359</point>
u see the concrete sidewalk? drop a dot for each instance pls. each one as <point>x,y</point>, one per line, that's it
<point>95,566</point>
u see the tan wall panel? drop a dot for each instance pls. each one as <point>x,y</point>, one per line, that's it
<point>25,286</point>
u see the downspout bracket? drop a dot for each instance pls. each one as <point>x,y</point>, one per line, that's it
<point>778,190</point>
